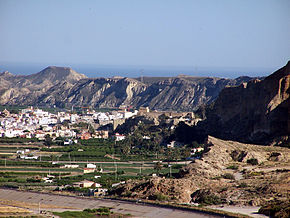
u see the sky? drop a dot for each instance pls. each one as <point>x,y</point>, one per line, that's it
<point>149,37</point>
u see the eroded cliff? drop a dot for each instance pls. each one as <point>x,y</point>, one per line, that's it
<point>257,111</point>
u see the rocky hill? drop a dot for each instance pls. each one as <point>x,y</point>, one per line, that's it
<point>62,86</point>
<point>25,90</point>
<point>257,111</point>
<point>225,174</point>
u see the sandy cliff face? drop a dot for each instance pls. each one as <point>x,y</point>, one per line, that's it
<point>254,111</point>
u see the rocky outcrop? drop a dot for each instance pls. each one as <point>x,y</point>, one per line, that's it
<point>63,86</point>
<point>257,111</point>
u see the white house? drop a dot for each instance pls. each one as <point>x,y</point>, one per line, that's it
<point>71,166</point>
<point>97,185</point>
<point>174,144</point>
<point>29,158</point>
<point>68,142</point>
<point>89,165</point>
<point>47,180</point>
<point>88,170</point>
<point>84,184</point>
<point>119,183</point>
<point>119,137</point>
<point>100,192</point>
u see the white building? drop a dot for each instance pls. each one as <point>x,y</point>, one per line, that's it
<point>89,165</point>
<point>119,137</point>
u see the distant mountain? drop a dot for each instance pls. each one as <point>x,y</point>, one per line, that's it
<point>63,86</point>
<point>24,90</point>
<point>257,111</point>
<point>54,75</point>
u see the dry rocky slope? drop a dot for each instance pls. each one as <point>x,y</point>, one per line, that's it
<point>208,180</point>
<point>62,86</point>
<point>17,90</point>
<point>257,111</point>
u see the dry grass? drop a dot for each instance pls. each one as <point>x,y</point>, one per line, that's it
<point>30,205</point>
<point>11,209</point>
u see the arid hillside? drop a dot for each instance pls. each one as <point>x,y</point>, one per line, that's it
<point>229,173</point>
<point>63,86</point>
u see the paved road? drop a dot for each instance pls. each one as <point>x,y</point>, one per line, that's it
<point>48,201</point>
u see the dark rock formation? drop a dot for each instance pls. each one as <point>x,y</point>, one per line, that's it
<point>257,111</point>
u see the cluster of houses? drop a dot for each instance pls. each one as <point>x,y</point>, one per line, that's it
<point>26,154</point>
<point>95,188</point>
<point>36,123</point>
<point>48,179</point>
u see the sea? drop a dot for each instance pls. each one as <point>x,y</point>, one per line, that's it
<point>94,71</point>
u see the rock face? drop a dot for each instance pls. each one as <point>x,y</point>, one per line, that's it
<point>256,111</point>
<point>63,86</point>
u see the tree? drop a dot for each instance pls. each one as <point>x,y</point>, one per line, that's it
<point>126,149</point>
<point>47,140</point>
<point>176,154</point>
<point>91,129</point>
<point>170,154</point>
<point>52,157</point>
<point>186,152</point>
<point>158,167</point>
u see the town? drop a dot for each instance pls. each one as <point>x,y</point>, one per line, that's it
<point>36,123</point>
<point>89,152</point>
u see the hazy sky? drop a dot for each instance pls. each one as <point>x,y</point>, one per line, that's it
<point>221,34</point>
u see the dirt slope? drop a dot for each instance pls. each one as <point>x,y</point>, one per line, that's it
<point>224,175</point>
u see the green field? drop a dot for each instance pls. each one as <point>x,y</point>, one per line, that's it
<point>39,169</point>
<point>16,172</point>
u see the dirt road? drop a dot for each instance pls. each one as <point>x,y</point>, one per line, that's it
<point>50,202</point>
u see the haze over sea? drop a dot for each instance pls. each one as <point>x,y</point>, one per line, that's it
<point>93,71</point>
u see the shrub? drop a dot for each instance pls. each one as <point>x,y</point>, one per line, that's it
<point>212,199</point>
<point>243,185</point>
<point>253,161</point>
<point>274,156</point>
<point>103,211</point>
<point>224,189</point>
<point>238,155</point>
<point>206,197</point>
<point>276,209</point>
<point>177,166</point>
<point>159,197</point>
<point>255,173</point>
<point>128,194</point>
<point>32,180</point>
<point>216,178</point>
<point>233,167</point>
<point>228,176</point>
